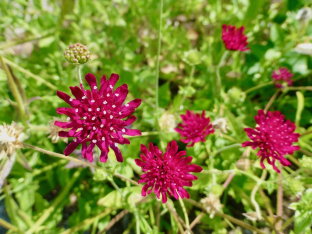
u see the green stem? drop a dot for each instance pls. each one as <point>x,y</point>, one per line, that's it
<point>38,78</point>
<point>219,80</point>
<point>137,220</point>
<point>88,221</point>
<point>55,203</point>
<point>309,88</point>
<point>9,226</point>
<point>258,87</point>
<point>158,55</point>
<point>253,194</point>
<point>187,222</point>
<point>15,92</point>
<point>287,223</point>
<point>79,74</point>
<point>267,107</point>
<point>81,162</point>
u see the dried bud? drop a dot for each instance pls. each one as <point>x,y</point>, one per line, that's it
<point>251,216</point>
<point>192,57</point>
<point>304,14</point>
<point>244,164</point>
<point>77,54</point>
<point>304,48</point>
<point>54,132</point>
<point>220,124</point>
<point>167,122</point>
<point>212,204</point>
<point>10,138</point>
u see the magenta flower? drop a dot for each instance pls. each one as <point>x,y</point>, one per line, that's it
<point>280,76</point>
<point>195,128</point>
<point>234,39</point>
<point>166,173</point>
<point>274,137</point>
<point>96,116</point>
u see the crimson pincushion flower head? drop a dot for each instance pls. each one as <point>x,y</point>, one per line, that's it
<point>282,76</point>
<point>234,38</point>
<point>97,117</point>
<point>274,136</point>
<point>166,173</point>
<point>195,128</point>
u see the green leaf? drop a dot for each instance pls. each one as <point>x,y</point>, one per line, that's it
<point>302,221</point>
<point>164,95</point>
<point>300,107</point>
<point>276,34</point>
<point>114,198</point>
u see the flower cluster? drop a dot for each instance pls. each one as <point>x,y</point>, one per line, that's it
<point>234,39</point>
<point>166,173</point>
<point>97,117</point>
<point>77,54</point>
<point>274,137</point>
<point>282,76</point>
<point>195,128</point>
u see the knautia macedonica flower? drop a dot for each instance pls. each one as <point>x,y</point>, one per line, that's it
<point>195,128</point>
<point>274,136</point>
<point>281,77</point>
<point>234,39</point>
<point>166,173</point>
<point>10,138</point>
<point>97,116</point>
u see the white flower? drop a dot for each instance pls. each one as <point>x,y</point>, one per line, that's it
<point>212,204</point>
<point>10,137</point>
<point>304,48</point>
<point>304,14</point>
<point>167,122</point>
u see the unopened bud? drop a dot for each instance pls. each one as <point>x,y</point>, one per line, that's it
<point>77,54</point>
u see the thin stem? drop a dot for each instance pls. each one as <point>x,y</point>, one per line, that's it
<point>306,133</point>
<point>187,222</point>
<point>196,220</point>
<point>174,213</point>
<point>88,221</point>
<point>287,223</point>
<point>279,207</point>
<point>219,80</point>
<point>266,203</point>
<point>158,55</point>
<point>55,203</point>
<point>137,220</point>
<point>258,87</point>
<point>305,152</point>
<point>309,88</point>
<point>116,187</point>
<point>267,107</point>
<point>189,83</point>
<point>28,73</point>
<point>115,220</point>
<point>15,92</point>
<point>225,216</point>
<point>253,194</point>
<point>9,226</point>
<point>79,74</point>
<point>79,161</point>
<point>158,214</point>
<point>151,214</point>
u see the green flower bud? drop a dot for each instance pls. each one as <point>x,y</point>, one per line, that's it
<point>306,162</point>
<point>77,54</point>
<point>293,186</point>
<point>192,57</point>
<point>236,95</point>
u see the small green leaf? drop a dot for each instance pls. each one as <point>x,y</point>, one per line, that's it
<point>302,221</point>
<point>300,107</point>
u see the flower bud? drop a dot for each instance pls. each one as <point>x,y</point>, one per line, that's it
<point>212,204</point>
<point>167,122</point>
<point>192,57</point>
<point>306,162</point>
<point>220,124</point>
<point>77,54</point>
<point>236,95</point>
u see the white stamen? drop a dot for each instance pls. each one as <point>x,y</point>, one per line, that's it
<point>111,117</point>
<point>104,112</point>
<point>68,118</point>
<point>75,140</point>
<point>105,102</point>
<point>111,128</point>
<point>116,94</point>
<point>102,125</point>
<point>93,118</point>
<point>70,99</point>
<point>98,109</point>
<point>111,86</point>
<point>92,101</point>
<point>123,130</point>
<point>94,128</point>
<point>116,144</point>
<point>119,113</point>
<point>94,141</point>
<point>89,109</point>
<point>107,95</point>
<point>85,117</point>
<point>94,87</point>
<point>103,138</point>
<point>113,106</point>
<point>127,104</point>
<point>76,110</point>
<point>84,97</point>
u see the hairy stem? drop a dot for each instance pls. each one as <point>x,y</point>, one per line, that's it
<point>258,87</point>
<point>267,107</point>
<point>79,74</point>
<point>253,194</point>
<point>9,226</point>
<point>187,222</point>
<point>279,207</point>
<point>219,80</point>
<point>189,83</point>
